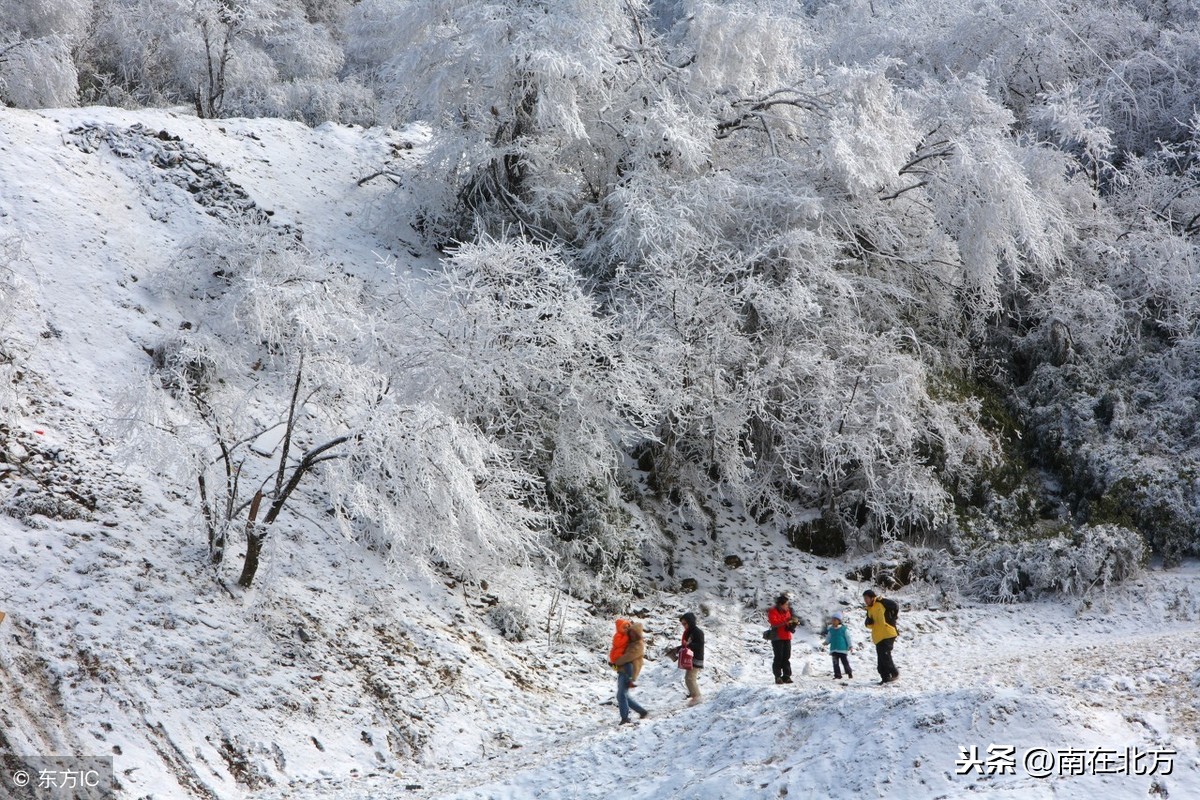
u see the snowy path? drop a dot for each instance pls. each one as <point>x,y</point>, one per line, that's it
<point>1028,676</point>
<point>1150,673</point>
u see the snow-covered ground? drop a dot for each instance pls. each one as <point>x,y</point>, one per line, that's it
<point>1077,701</point>
<point>341,677</point>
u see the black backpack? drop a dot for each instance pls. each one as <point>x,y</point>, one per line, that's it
<point>891,611</point>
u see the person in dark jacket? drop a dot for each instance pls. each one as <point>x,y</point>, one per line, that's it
<point>782,622</point>
<point>693,639</point>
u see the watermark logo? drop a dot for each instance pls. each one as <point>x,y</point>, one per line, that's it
<point>57,778</point>
<point>1044,762</point>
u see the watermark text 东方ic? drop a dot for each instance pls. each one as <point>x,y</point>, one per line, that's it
<point>55,777</point>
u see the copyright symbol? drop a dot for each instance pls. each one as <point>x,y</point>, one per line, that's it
<point>21,778</point>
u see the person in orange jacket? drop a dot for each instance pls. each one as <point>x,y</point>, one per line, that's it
<point>625,656</point>
<point>782,622</point>
<point>620,641</point>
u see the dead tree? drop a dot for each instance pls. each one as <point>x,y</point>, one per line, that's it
<point>285,484</point>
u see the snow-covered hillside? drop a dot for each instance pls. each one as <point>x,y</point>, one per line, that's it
<point>341,676</point>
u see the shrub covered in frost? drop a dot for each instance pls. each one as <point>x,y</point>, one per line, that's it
<point>1069,563</point>
<point>510,621</point>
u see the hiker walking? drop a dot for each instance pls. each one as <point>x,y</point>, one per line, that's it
<point>626,656</point>
<point>692,641</point>
<point>883,632</point>
<point>782,622</point>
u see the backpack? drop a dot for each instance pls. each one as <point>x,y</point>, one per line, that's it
<point>891,611</point>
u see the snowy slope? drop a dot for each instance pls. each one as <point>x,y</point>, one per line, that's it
<point>339,677</point>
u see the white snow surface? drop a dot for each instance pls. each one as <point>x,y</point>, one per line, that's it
<point>338,676</point>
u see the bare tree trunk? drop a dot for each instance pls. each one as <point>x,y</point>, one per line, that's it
<point>286,446</point>
<point>210,97</point>
<point>218,527</point>
<point>253,542</point>
<point>216,538</point>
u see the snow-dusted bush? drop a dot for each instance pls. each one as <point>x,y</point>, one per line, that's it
<point>604,548</point>
<point>512,622</point>
<point>425,490</point>
<point>312,101</point>
<point>27,506</point>
<point>1071,563</point>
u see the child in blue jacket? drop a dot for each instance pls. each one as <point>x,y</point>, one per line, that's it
<point>838,637</point>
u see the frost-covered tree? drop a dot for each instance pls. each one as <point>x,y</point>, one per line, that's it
<point>423,488</point>
<point>509,342</point>
<point>35,73</point>
<point>248,57</point>
<point>1100,272</point>
<point>279,382</point>
<point>36,41</point>
<point>1107,376</point>
<point>507,85</point>
<point>837,254</point>
<point>199,52</point>
<point>764,234</point>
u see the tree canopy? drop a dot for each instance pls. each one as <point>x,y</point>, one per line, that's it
<point>929,269</point>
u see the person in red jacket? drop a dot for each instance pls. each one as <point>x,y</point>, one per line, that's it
<point>782,622</point>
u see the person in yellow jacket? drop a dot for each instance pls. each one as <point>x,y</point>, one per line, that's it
<point>883,635</point>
